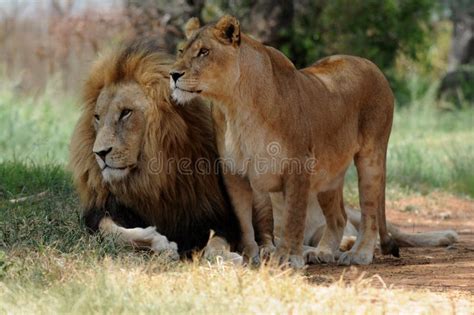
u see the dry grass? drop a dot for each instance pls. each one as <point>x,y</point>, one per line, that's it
<point>140,284</point>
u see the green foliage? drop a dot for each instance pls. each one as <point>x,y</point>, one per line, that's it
<point>381,31</point>
<point>377,30</point>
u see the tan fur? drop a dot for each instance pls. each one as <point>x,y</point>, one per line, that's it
<point>191,27</point>
<point>156,133</point>
<point>336,111</point>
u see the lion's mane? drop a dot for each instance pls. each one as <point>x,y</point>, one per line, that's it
<point>182,206</point>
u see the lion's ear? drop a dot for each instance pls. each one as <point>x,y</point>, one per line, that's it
<point>192,25</point>
<point>227,30</point>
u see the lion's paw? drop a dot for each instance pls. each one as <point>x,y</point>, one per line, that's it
<point>214,255</point>
<point>148,233</point>
<point>161,245</point>
<point>234,258</point>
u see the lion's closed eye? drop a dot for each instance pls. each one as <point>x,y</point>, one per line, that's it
<point>125,114</point>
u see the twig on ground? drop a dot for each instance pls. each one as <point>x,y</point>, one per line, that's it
<point>30,198</point>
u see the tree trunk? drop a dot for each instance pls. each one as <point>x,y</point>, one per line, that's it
<point>162,19</point>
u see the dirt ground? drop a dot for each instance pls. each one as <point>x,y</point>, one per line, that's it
<point>443,269</point>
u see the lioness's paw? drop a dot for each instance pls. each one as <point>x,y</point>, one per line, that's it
<point>319,256</point>
<point>355,258</point>
<point>254,262</point>
<point>251,254</point>
<point>293,261</point>
<point>296,261</point>
<point>266,251</point>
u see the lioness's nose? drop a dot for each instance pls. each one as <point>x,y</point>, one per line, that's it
<point>176,75</point>
<point>103,153</point>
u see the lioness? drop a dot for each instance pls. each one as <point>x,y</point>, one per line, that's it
<point>327,115</point>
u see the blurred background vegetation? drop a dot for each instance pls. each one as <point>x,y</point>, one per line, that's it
<point>425,47</point>
<point>427,41</point>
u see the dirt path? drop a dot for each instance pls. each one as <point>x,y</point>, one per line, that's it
<point>448,269</point>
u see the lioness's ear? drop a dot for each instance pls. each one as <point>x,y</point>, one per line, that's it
<point>227,30</point>
<point>192,25</point>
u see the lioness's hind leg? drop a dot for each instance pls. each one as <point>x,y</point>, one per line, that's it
<point>370,166</point>
<point>332,204</point>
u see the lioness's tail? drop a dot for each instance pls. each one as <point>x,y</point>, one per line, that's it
<point>425,239</point>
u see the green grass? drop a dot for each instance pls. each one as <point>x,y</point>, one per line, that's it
<point>36,129</point>
<point>428,149</point>
<point>433,149</point>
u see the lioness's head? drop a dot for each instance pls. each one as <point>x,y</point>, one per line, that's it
<point>119,121</point>
<point>208,61</point>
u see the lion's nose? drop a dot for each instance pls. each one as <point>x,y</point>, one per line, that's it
<point>103,153</point>
<point>176,75</point>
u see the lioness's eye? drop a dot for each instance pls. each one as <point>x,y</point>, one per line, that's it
<point>97,118</point>
<point>180,51</point>
<point>125,113</point>
<point>203,52</point>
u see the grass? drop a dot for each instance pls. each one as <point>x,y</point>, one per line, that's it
<point>36,129</point>
<point>48,264</point>
<point>428,149</point>
<point>140,285</point>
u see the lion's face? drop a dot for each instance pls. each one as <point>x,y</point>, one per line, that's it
<point>208,61</point>
<point>119,121</point>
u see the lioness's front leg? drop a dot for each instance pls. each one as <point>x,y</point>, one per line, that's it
<point>241,197</point>
<point>263,223</point>
<point>296,192</point>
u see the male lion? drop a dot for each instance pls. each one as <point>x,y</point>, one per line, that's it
<point>133,154</point>
<point>325,116</point>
